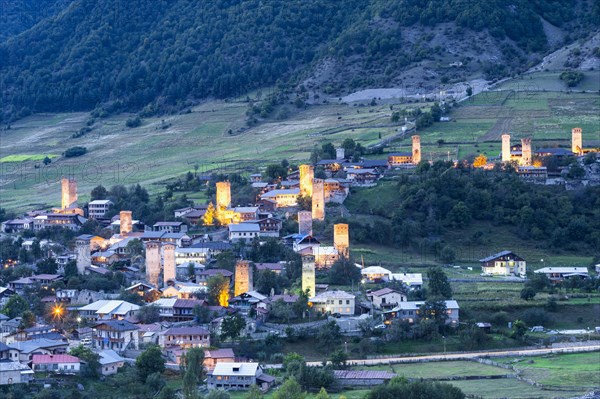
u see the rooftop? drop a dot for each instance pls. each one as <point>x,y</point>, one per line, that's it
<point>235,369</point>
<point>53,359</point>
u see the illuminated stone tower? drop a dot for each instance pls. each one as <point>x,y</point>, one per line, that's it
<point>152,262</point>
<point>505,147</point>
<point>416,149</point>
<point>318,200</point>
<point>307,174</point>
<point>576,140</point>
<point>308,275</point>
<point>69,192</point>
<point>305,223</point>
<point>84,258</point>
<point>125,223</point>
<point>525,152</point>
<point>341,240</point>
<point>168,262</point>
<point>223,195</point>
<point>340,154</point>
<point>243,278</point>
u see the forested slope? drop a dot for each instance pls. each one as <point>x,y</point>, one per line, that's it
<point>132,53</point>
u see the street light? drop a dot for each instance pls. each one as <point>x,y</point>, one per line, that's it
<point>444,339</point>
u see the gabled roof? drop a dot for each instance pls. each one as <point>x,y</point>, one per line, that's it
<point>274,193</point>
<point>414,305</point>
<point>118,325</point>
<point>219,353</point>
<point>400,154</point>
<point>243,227</point>
<point>335,294</point>
<point>107,306</point>
<point>375,270</point>
<point>214,272</point>
<point>383,291</point>
<point>54,359</point>
<point>563,270</point>
<point>187,303</point>
<point>363,375</point>
<point>187,331</point>
<point>33,345</point>
<point>109,356</point>
<point>241,369</point>
<point>498,255</point>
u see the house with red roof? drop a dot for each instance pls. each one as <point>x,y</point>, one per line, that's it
<point>64,364</point>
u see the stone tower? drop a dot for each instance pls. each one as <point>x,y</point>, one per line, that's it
<point>243,278</point>
<point>341,240</point>
<point>308,275</point>
<point>152,262</point>
<point>307,174</point>
<point>84,257</point>
<point>576,140</point>
<point>318,200</point>
<point>505,147</point>
<point>168,262</point>
<point>416,149</point>
<point>223,194</point>
<point>340,154</point>
<point>69,192</point>
<point>305,223</point>
<point>526,152</point>
<point>125,223</point>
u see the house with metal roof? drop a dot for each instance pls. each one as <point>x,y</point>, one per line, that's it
<point>118,335</point>
<point>411,312</point>
<point>238,376</point>
<point>63,364</point>
<point>106,309</point>
<point>557,274</point>
<point>504,263</point>
<point>340,302</point>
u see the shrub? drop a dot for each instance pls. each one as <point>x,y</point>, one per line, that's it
<point>75,152</point>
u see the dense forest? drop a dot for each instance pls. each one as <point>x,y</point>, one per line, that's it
<point>126,54</point>
<point>19,15</point>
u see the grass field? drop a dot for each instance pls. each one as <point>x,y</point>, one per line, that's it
<point>441,370</point>
<point>510,388</point>
<point>568,370</point>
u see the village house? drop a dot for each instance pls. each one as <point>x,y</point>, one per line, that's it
<point>184,338</point>
<point>245,231</point>
<point>17,225</point>
<point>373,274</point>
<point>5,294</point>
<point>413,281</point>
<point>333,302</point>
<point>325,257</point>
<point>410,311</point>
<point>214,356</point>
<point>27,349</point>
<point>386,298</point>
<point>14,373</point>
<point>362,177</point>
<point>182,290</point>
<point>399,159</point>
<point>283,198</point>
<point>98,208</point>
<point>276,268</point>
<point>183,309</point>
<point>144,290</point>
<point>106,309</point>
<point>535,174</point>
<point>71,221</point>
<point>170,227</point>
<point>165,307</point>
<point>118,335</point>
<point>504,263</point>
<point>249,300</point>
<point>558,274</point>
<point>63,364</point>
<point>110,362</point>
<point>269,226</point>
<point>238,376</point>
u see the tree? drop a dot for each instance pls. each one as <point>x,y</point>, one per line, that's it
<point>434,310</point>
<point>91,367</point>
<point>202,314</point>
<point>344,272</point>
<point>323,394</point>
<point>47,266</point>
<point>290,389</point>
<point>15,306</point>
<point>276,172</point>
<point>469,91</point>
<point>47,160</point>
<point>459,215</point>
<point>527,293</point>
<point>193,365</point>
<point>232,326</point>
<point>254,393</point>
<point>98,193</point>
<point>338,359</point>
<point>480,161</point>
<point>148,314</point>
<point>328,151</point>
<point>438,284</point>
<point>150,361</point>
<point>209,216</point>
<point>36,249</point>
<point>28,319</point>
<point>329,337</point>
<point>218,290</point>
<point>436,112</point>
<point>71,269</point>
<point>281,311</point>
<point>519,329</point>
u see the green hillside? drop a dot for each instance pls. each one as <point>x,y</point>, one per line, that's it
<point>129,54</point>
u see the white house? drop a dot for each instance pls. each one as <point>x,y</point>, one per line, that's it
<point>504,263</point>
<point>414,281</point>
<point>97,208</point>
<point>117,335</point>
<point>237,376</point>
<point>245,231</point>
<point>386,298</point>
<point>110,362</point>
<point>375,273</point>
<point>65,364</point>
<point>411,312</point>
<point>283,198</point>
<point>334,302</point>
<point>106,309</point>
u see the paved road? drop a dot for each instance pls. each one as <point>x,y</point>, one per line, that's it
<point>468,355</point>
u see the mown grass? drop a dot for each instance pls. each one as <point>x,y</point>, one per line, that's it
<point>26,157</point>
<point>509,388</point>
